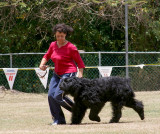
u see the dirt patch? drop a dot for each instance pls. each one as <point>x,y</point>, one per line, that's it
<point>2,88</point>
<point>4,91</point>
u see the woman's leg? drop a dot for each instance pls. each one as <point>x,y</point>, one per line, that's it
<point>63,100</point>
<point>55,108</point>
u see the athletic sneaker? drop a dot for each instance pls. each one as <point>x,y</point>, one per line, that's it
<point>55,122</point>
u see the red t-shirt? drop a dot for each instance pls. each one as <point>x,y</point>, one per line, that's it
<point>64,58</point>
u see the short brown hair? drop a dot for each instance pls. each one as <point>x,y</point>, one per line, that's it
<point>62,28</point>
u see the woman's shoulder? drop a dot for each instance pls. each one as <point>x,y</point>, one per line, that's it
<point>53,44</point>
<point>72,46</point>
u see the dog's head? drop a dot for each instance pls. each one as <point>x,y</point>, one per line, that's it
<point>71,85</point>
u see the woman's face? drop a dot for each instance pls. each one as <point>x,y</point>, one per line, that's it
<point>60,37</point>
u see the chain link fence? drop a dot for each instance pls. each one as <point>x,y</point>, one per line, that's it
<point>146,79</point>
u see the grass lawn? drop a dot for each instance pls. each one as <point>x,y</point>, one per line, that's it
<point>23,113</point>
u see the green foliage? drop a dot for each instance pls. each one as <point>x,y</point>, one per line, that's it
<point>147,36</point>
<point>26,26</point>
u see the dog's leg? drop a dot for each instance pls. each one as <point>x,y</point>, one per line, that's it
<point>95,109</point>
<point>137,106</point>
<point>117,112</point>
<point>78,112</point>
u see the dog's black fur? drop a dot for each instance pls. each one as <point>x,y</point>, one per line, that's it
<point>95,93</point>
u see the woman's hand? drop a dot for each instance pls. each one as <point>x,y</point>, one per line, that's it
<point>80,73</point>
<point>43,67</point>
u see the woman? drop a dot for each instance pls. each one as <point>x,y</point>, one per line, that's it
<point>64,55</point>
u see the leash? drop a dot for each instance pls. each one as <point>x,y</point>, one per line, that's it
<point>57,74</point>
<point>50,67</point>
<point>41,76</point>
<point>54,71</point>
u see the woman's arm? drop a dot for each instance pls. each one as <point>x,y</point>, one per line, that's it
<point>42,66</point>
<point>77,58</point>
<point>46,57</point>
<point>80,72</point>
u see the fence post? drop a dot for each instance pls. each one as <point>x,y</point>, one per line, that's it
<point>10,60</point>
<point>99,55</point>
<point>126,36</point>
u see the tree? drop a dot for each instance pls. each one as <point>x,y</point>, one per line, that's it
<point>26,26</point>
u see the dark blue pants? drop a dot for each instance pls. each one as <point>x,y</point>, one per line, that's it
<point>56,99</point>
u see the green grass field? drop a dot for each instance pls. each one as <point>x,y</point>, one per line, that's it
<point>22,113</point>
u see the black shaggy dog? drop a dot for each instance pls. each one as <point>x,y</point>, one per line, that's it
<point>95,93</point>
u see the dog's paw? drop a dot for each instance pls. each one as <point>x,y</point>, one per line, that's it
<point>95,118</point>
<point>113,121</point>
